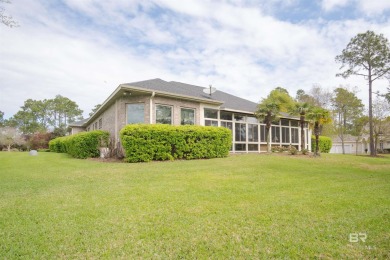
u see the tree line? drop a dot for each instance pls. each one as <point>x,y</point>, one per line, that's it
<point>366,55</point>
<point>38,121</point>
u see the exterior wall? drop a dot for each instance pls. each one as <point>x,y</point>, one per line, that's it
<point>349,147</point>
<point>76,130</point>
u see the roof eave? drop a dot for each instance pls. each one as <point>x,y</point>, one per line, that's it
<point>125,87</point>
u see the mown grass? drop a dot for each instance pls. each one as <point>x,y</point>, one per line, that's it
<point>244,206</point>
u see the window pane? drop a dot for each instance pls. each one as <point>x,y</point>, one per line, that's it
<point>239,118</point>
<point>294,122</point>
<point>187,116</point>
<point>284,122</point>
<point>253,147</point>
<point>253,135</point>
<point>240,147</point>
<point>210,123</point>
<point>226,115</point>
<point>251,119</point>
<point>163,114</point>
<point>210,113</point>
<point>228,125</point>
<point>240,132</point>
<point>135,113</point>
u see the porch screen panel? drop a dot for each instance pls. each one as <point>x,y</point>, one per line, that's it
<point>253,134</point>
<point>240,132</point>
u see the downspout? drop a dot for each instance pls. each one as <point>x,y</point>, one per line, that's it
<point>151,108</point>
<point>116,124</point>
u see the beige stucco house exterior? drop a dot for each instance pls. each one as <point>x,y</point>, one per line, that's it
<point>157,101</point>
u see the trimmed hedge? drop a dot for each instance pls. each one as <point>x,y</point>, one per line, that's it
<point>82,145</point>
<point>143,143</point>
<point>58,144</point>
<point>324,143</point>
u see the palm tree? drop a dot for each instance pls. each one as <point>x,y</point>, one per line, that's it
<point>268,111</point>
<point>319,116</point>
<point>301,109</point>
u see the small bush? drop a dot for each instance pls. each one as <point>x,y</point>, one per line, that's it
<point>82,145</point>
<point>324,143</point>
<point>305,151</point>
<point>292,150</point>
<point>279,149</point>
<point>143,143</point>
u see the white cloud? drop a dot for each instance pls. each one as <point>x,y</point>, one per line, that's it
<point>329,5</point>
<point>373,7</point>
<point>236,47</point>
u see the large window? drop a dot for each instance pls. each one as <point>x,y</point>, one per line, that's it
<point>135,113</point>
<point>226,115</point>
<point>187,116</point>
<point>210,113</point>
<point>163,114</point>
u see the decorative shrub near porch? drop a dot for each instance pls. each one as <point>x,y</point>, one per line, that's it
<point>324,144</point>
<point>82,145</point>
<point>143,143</point>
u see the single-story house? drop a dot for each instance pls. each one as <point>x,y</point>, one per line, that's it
<point>157,101</point>
<point>352,145</point>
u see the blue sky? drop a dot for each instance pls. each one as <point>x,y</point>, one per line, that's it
<point>84,49</point>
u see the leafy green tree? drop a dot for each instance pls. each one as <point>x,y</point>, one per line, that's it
<point>346,109</point>
<point>301,109</point>
<point>33,116</point>
<point>367,55</point>
<point>95,109</point>
<point>319,116</point>
<point>64,111</point>
<point>281,96</point>
<point>40,115</point>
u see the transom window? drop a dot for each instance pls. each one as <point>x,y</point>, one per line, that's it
<point>135,113</point>
<point>210,113</point>
<point>163,114</point>
<point>187,116</point>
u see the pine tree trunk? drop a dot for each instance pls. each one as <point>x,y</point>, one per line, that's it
<point>372,148</point>
<point>302,132</point>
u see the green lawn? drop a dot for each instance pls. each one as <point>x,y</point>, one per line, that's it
<point>243,206</point>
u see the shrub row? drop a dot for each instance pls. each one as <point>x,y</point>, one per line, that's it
<point>324,144</point>
<point>82,145</point>
<point>143,143</point>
